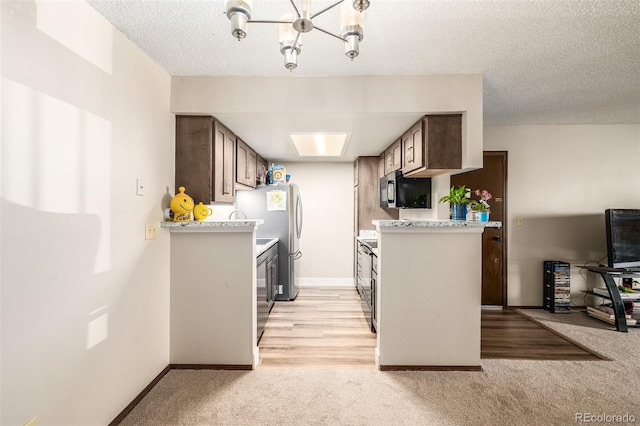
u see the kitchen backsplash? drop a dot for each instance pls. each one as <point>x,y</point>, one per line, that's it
<point>418,214</point>
<point>368,234</point>
<point>221,211</point>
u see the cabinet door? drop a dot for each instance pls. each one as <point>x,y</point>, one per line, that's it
<point>393,157</point>
<point>242,158</point>
<point>388,161</point>
<point>194,157</point>
<point>245,164</point>
<point>381,165</point>
<point>412,143</point>
<point>261,169</point>
<point>437,141</point>
<point>251,172</point>
<point>262,308</point>
<point>356,212</point>
<point>397,154</point>
<point>224,142</point>
<point>356,172</point>
<point>273,277</point>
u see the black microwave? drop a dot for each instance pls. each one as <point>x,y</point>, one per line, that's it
<point>399,192</point>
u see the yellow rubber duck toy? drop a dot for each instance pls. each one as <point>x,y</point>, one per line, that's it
<point>181,205</point>
<point>201,212</point>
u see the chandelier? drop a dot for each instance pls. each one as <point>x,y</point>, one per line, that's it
<point>291,26</point>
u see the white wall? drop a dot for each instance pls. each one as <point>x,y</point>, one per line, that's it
<point>85,299</point>
<point>561,180</point>
<point>260,109</point>
<point>327,234</point>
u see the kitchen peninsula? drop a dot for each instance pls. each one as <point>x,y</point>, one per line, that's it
<point>213,293</point>
<point>429,294</point>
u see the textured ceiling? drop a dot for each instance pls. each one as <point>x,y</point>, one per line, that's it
<point>542,61</point>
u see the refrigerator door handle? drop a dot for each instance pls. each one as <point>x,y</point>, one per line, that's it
<point>299,216</point>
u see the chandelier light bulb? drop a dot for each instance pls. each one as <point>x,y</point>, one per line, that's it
<point>239,12</point>
<point>287,36</point>
<point>360,5</point>
<point>290,58</point>
<point>352,29</point>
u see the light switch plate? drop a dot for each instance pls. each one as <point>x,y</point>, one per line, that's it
<point>139,187</point>
<point>150,231</point>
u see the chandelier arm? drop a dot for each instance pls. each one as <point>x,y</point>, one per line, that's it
<point>262,21</point>
<point>295,8</point>
<point>329,33</point>
<point>295,43</point>
<point>326,9</point>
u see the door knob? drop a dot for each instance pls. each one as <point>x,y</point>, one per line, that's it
<point>497,238</point>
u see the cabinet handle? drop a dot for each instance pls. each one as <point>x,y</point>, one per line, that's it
<point>497,238</point>
<point>410,159</point>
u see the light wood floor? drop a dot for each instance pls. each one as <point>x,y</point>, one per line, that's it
<point>322,327</point>
<point>325,328</point>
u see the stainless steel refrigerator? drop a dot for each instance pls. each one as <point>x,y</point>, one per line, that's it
<point>282,219</point>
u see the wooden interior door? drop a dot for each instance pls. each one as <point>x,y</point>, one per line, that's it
<point>493,178</point>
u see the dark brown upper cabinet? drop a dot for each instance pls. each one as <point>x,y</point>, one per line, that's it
<point>205,159</point>
<point>245,166</point>
<point>261,165</point>
<point>381,161</point>
<point>433,146</point>
<point>393,157</point>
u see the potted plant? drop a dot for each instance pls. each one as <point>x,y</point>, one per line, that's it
<point>480,207</point>
<point>458,199</point>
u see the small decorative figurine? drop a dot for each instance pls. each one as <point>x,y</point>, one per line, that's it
<point>201,212</point>
<point>182,205</point>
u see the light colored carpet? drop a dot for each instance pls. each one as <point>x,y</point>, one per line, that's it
<point>507,392</point>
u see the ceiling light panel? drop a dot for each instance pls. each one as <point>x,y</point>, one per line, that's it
<point>319,144</point>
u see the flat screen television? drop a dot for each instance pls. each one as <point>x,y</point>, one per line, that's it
<point>623,237</point>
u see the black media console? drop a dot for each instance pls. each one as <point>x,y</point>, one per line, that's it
<point>607,275</point>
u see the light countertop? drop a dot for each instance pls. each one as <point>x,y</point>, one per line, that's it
<point>213,225</point>
<point>435,223</point>
<point>263,244</point>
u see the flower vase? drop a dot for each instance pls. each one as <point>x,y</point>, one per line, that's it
<point>483,216</point>
<point>458,212</point>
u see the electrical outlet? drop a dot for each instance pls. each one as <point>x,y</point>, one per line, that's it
<point>32,422</point>
<point>520,221</point>
<point>139,187</point>
<point>150,231</point>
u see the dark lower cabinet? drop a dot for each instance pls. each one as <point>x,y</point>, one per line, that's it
<point>272,275</point>
<point>267,286</point>
<point>261,294</point>
<point>366,277</point>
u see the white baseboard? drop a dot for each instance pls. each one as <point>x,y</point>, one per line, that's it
<point>326,282</point>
